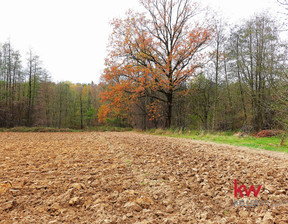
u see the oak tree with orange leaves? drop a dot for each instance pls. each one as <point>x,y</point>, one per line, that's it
<point>152,54</point>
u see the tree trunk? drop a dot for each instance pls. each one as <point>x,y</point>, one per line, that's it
<point>240,83</point>
<point>169,109</point>
<point>214,121</point>
<point>29,92</point>
<point>81,110</point>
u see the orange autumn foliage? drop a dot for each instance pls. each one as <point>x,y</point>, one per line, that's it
<point>153,54</point>
<point>103,113</point>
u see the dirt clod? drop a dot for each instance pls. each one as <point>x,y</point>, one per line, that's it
<point>74,201</point>
<point>133,206</point>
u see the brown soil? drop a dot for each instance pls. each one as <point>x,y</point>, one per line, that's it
<point>134,178</point>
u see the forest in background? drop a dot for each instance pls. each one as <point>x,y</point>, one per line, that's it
<point>161,73</point>
<point>28,97</point>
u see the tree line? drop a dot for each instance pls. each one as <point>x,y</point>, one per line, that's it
<point>28,97</point>
<point>176,65</point>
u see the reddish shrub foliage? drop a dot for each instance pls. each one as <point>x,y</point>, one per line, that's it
<point>268,133</point>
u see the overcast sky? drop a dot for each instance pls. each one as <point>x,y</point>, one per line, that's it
<point>71,36</point>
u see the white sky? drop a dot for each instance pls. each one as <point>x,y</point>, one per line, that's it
<point>71,36</point>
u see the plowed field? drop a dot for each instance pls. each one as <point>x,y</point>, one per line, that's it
<point>136,178</point>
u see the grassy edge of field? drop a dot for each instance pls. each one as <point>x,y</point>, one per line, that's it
<point>267,143</point>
